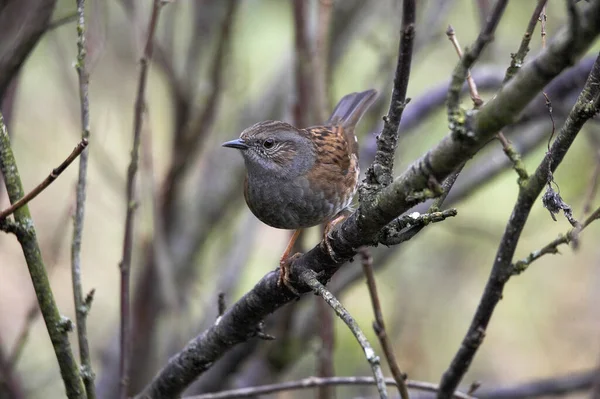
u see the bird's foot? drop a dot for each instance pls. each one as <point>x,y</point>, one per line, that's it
<point>284,272</point>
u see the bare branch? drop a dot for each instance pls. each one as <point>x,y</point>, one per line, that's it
<point>518,58</point>
<point>405,227</point>
<point>552,247</point>
<point>380,172</point>
<point>310,278</point>
<point>81,307</point>
<point>312,382</point>
<point>379,324</point>
<point>125,265</point>
<point>477,101</point>
<point>509,150</point>
<point>469,58</point>
<point>46,182</point>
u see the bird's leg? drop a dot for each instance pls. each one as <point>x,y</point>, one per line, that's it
<point>339,218</point>
<point>286,261</point>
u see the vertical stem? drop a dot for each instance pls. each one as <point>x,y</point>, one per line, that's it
<point>125,265</point>
<point>380,172</point>
<point>379,324</point>
<point>81,307</point>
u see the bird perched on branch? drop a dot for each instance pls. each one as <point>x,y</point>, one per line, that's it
<point>299,178</point>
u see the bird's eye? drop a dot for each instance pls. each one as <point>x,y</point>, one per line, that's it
<point>268,143</point>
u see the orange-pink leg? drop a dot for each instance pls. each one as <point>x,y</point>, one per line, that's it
<point>285,262</point>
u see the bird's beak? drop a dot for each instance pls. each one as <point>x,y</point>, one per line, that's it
<point>237,143</point>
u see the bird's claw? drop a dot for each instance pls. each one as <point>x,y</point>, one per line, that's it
<point>327,239</point>
<point>284,273</point>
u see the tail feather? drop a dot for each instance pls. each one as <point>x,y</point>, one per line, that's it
<point>347,114</point>
<point>351,108</point>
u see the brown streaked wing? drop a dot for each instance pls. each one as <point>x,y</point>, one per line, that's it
<point>335,172</point>
<point>331,147</point>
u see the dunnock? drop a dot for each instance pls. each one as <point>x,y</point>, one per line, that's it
<point>299,178</point>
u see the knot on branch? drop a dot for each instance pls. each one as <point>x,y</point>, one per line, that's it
<point>87,374</point>
<point>65,325</point>
<point>460,123</point>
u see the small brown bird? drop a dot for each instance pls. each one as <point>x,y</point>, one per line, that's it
<point>299,178</point>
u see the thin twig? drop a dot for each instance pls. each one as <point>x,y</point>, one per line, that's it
<point>586,106</point>
<point>475,97</point>
<point>309,277</point>
<point>394,233</point>
<point>82,308</point>
<point>379,324</point>
<point>312,382</point>
<point>518,58</point>
<point>57,326</point>
<point>46,182</point>
<point>380,172</point>
<point>510,151</point>
<point>462,68</point>
<point>125,265</point>
<point>543,18</point>
<point>552,247</point>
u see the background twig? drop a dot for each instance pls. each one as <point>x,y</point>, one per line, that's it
<point>82,307</point>
<point>125,265</point>
<point>379,324</point>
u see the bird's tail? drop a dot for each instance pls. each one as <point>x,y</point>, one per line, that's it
<point>351,108</point>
